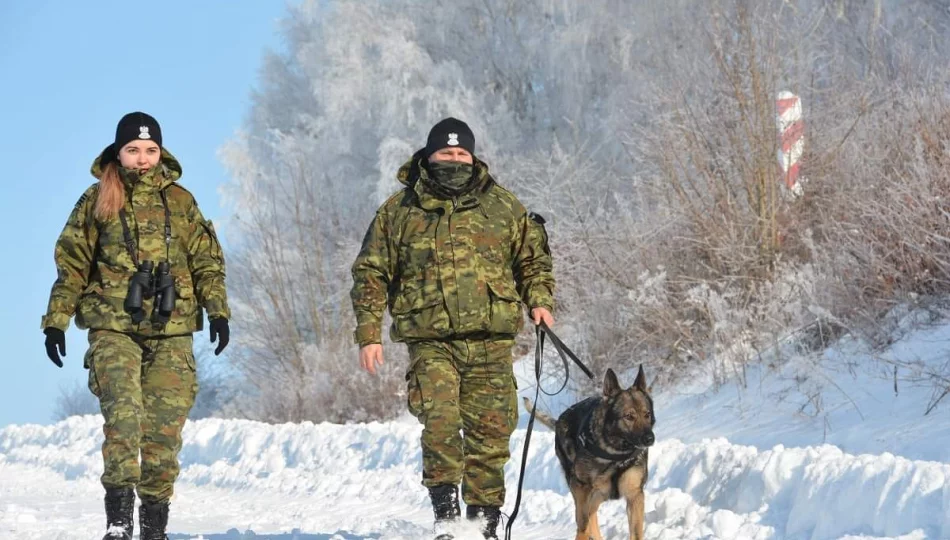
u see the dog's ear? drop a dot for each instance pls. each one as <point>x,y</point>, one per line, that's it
<point>641,382</point>
<point>611,384</point>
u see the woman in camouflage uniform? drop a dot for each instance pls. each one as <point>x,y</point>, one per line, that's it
<point>136,263</point>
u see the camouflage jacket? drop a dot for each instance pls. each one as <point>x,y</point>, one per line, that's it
<point>94,266</point>
<point>450,268</point>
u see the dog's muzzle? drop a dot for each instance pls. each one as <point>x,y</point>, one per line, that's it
<point>647,439</point>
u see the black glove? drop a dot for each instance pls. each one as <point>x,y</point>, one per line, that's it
<point>219,327</point>
<point>55,339</point>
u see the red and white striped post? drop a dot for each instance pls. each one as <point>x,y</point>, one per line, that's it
<point>791,128</point>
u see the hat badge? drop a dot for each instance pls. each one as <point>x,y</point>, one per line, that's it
<point>143,132</point>
<point>453,139</point>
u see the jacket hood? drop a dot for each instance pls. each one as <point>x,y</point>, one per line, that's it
<point>414,169</point>
<point>171,167</point>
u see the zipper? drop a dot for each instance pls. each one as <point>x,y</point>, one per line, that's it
<point>458,304</point>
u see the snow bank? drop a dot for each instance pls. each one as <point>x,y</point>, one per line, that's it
<point>708,489</point>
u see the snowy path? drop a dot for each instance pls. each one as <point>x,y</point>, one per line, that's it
<point>883,473</point>
<point>361,482</point>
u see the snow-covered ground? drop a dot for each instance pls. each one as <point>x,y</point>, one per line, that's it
<point>835,455</point>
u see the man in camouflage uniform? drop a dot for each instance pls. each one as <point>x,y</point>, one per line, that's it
<point>143,373</point>
<point>455,257</point>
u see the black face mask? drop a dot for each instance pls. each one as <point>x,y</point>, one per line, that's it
<point>451,178</point>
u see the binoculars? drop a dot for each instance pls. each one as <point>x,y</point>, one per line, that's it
<point>145,284</point>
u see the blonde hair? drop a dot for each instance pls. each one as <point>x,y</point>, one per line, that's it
<point>111,196</point>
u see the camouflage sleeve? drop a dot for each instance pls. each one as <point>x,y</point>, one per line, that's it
<point>533,266</point>
<point>373,271</point>
<point>74,254</point>
<point>206,263</point>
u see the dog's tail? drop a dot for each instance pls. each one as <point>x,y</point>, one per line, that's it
<point>542,417</point>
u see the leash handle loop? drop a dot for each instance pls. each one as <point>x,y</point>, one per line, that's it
<point>540,331</point>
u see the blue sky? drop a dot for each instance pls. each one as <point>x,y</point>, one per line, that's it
<point>70,70</point>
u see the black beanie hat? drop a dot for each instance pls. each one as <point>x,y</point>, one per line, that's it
<point>450,133</point>
<point>133,126</point>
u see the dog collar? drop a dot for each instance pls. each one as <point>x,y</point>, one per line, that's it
<point>589,446</point>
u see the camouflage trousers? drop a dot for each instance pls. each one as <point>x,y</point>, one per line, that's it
<point>465,395</point>
<point>146,387</point>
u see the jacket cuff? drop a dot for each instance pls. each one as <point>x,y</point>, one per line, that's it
<point>367,334</point>
<point>217,309</point>
<point>545,306</point>
<point>55,320</point>
<point>540,296</point>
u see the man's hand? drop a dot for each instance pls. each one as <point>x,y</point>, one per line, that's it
<point>539,314</point>
<point>371,356</point>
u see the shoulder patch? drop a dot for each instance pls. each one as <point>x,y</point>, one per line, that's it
<point>87,195</point>
<point>537,218</point>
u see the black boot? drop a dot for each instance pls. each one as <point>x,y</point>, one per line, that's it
<point>445,505</point>
<point>120,502</point>
<point>490,516</point>
<point>153,518</point>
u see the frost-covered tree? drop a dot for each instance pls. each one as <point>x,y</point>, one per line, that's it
<point>639,129</point>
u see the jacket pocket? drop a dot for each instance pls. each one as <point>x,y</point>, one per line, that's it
<point>215,248</point>
<point>417,399</point>
<point>420,313</point>
<point>89,363</point>
<point>185,302</point>
<point>101,307</point>
<point>507,315</point>
<point>96,288</point>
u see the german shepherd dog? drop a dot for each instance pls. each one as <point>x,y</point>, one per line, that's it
<point>602,444</point>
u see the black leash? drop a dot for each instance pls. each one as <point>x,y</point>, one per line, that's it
<point>564,353</point>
